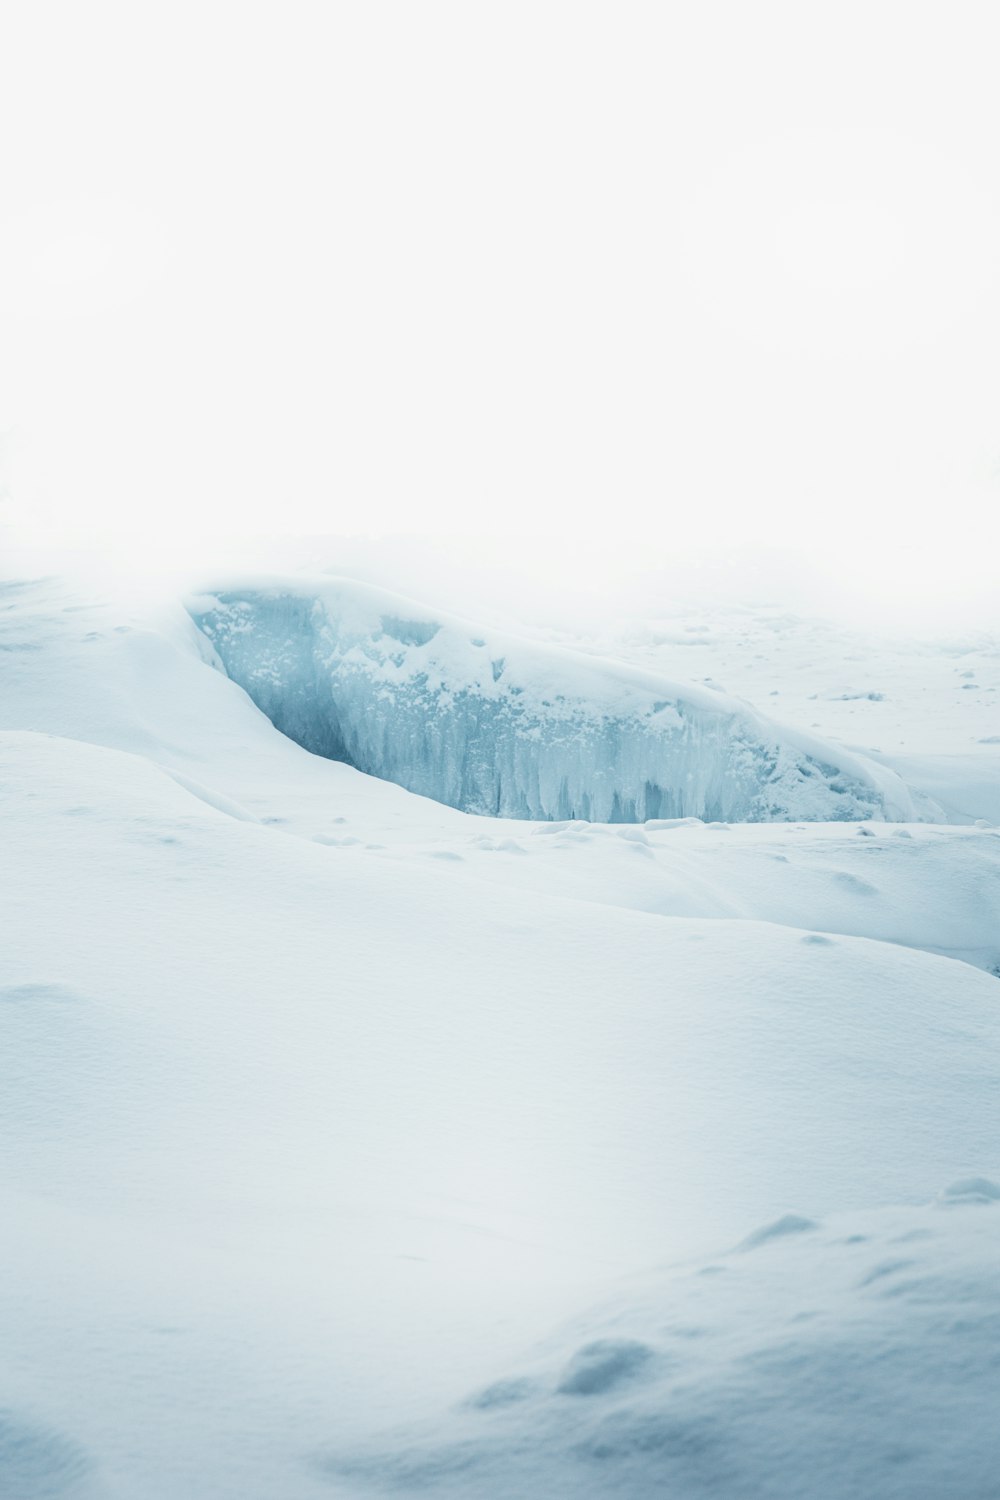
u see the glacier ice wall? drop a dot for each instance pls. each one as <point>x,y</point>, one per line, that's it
<point>494,724</point>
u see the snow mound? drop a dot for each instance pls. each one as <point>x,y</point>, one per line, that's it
<point>39,1463</point>
<point>857,1359</point>
<point>492,724</point>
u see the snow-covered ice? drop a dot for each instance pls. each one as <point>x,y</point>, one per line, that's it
<point>493,724</point>
<point>329,1110</point>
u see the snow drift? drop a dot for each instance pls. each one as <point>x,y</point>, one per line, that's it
<point>494,724</point>
<point>868,1342</point>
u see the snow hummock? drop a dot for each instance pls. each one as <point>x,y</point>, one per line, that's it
<point>493,724</point>
<point>857,1359</point>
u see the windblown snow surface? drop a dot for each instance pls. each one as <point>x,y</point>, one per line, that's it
<point>356,1145</point>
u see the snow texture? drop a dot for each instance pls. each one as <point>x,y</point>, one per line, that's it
<point>496,725</point>
<point>322,1102</point>
<point>857,1360</point>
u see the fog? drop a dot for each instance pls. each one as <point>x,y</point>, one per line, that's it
<point>528,300</point>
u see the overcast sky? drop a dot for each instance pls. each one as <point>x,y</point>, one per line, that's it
<point>644,276</point>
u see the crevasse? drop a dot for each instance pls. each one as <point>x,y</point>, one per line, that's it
<point>493,724</point>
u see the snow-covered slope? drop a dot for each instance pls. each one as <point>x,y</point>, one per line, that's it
<point>925,886</point>
<point>867,1343</point>
<point>321,1102</point>
<point>492,724</point>
<point>294,1112</point>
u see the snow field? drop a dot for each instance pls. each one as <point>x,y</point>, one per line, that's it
<point>322,1104</point>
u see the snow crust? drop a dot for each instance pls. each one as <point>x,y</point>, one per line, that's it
<point>495,725</point>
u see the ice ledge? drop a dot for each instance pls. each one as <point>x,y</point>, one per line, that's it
<point>491,723</point>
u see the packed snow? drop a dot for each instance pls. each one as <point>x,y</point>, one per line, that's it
<point>356,1144</point>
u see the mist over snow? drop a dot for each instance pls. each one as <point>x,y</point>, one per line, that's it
<point>499,751</point>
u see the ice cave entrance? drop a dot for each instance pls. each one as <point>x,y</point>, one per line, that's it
<point>493,724</point>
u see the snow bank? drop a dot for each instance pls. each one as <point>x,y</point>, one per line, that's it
<point>493,724</point>
<point>852,1358</point>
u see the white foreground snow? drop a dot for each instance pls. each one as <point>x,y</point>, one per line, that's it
<point>853,1357</point>
<point>324,1104</point>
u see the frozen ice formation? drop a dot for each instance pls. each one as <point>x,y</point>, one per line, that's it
<point>493,724</point>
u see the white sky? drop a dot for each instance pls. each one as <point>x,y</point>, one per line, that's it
<point>610,282</point>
